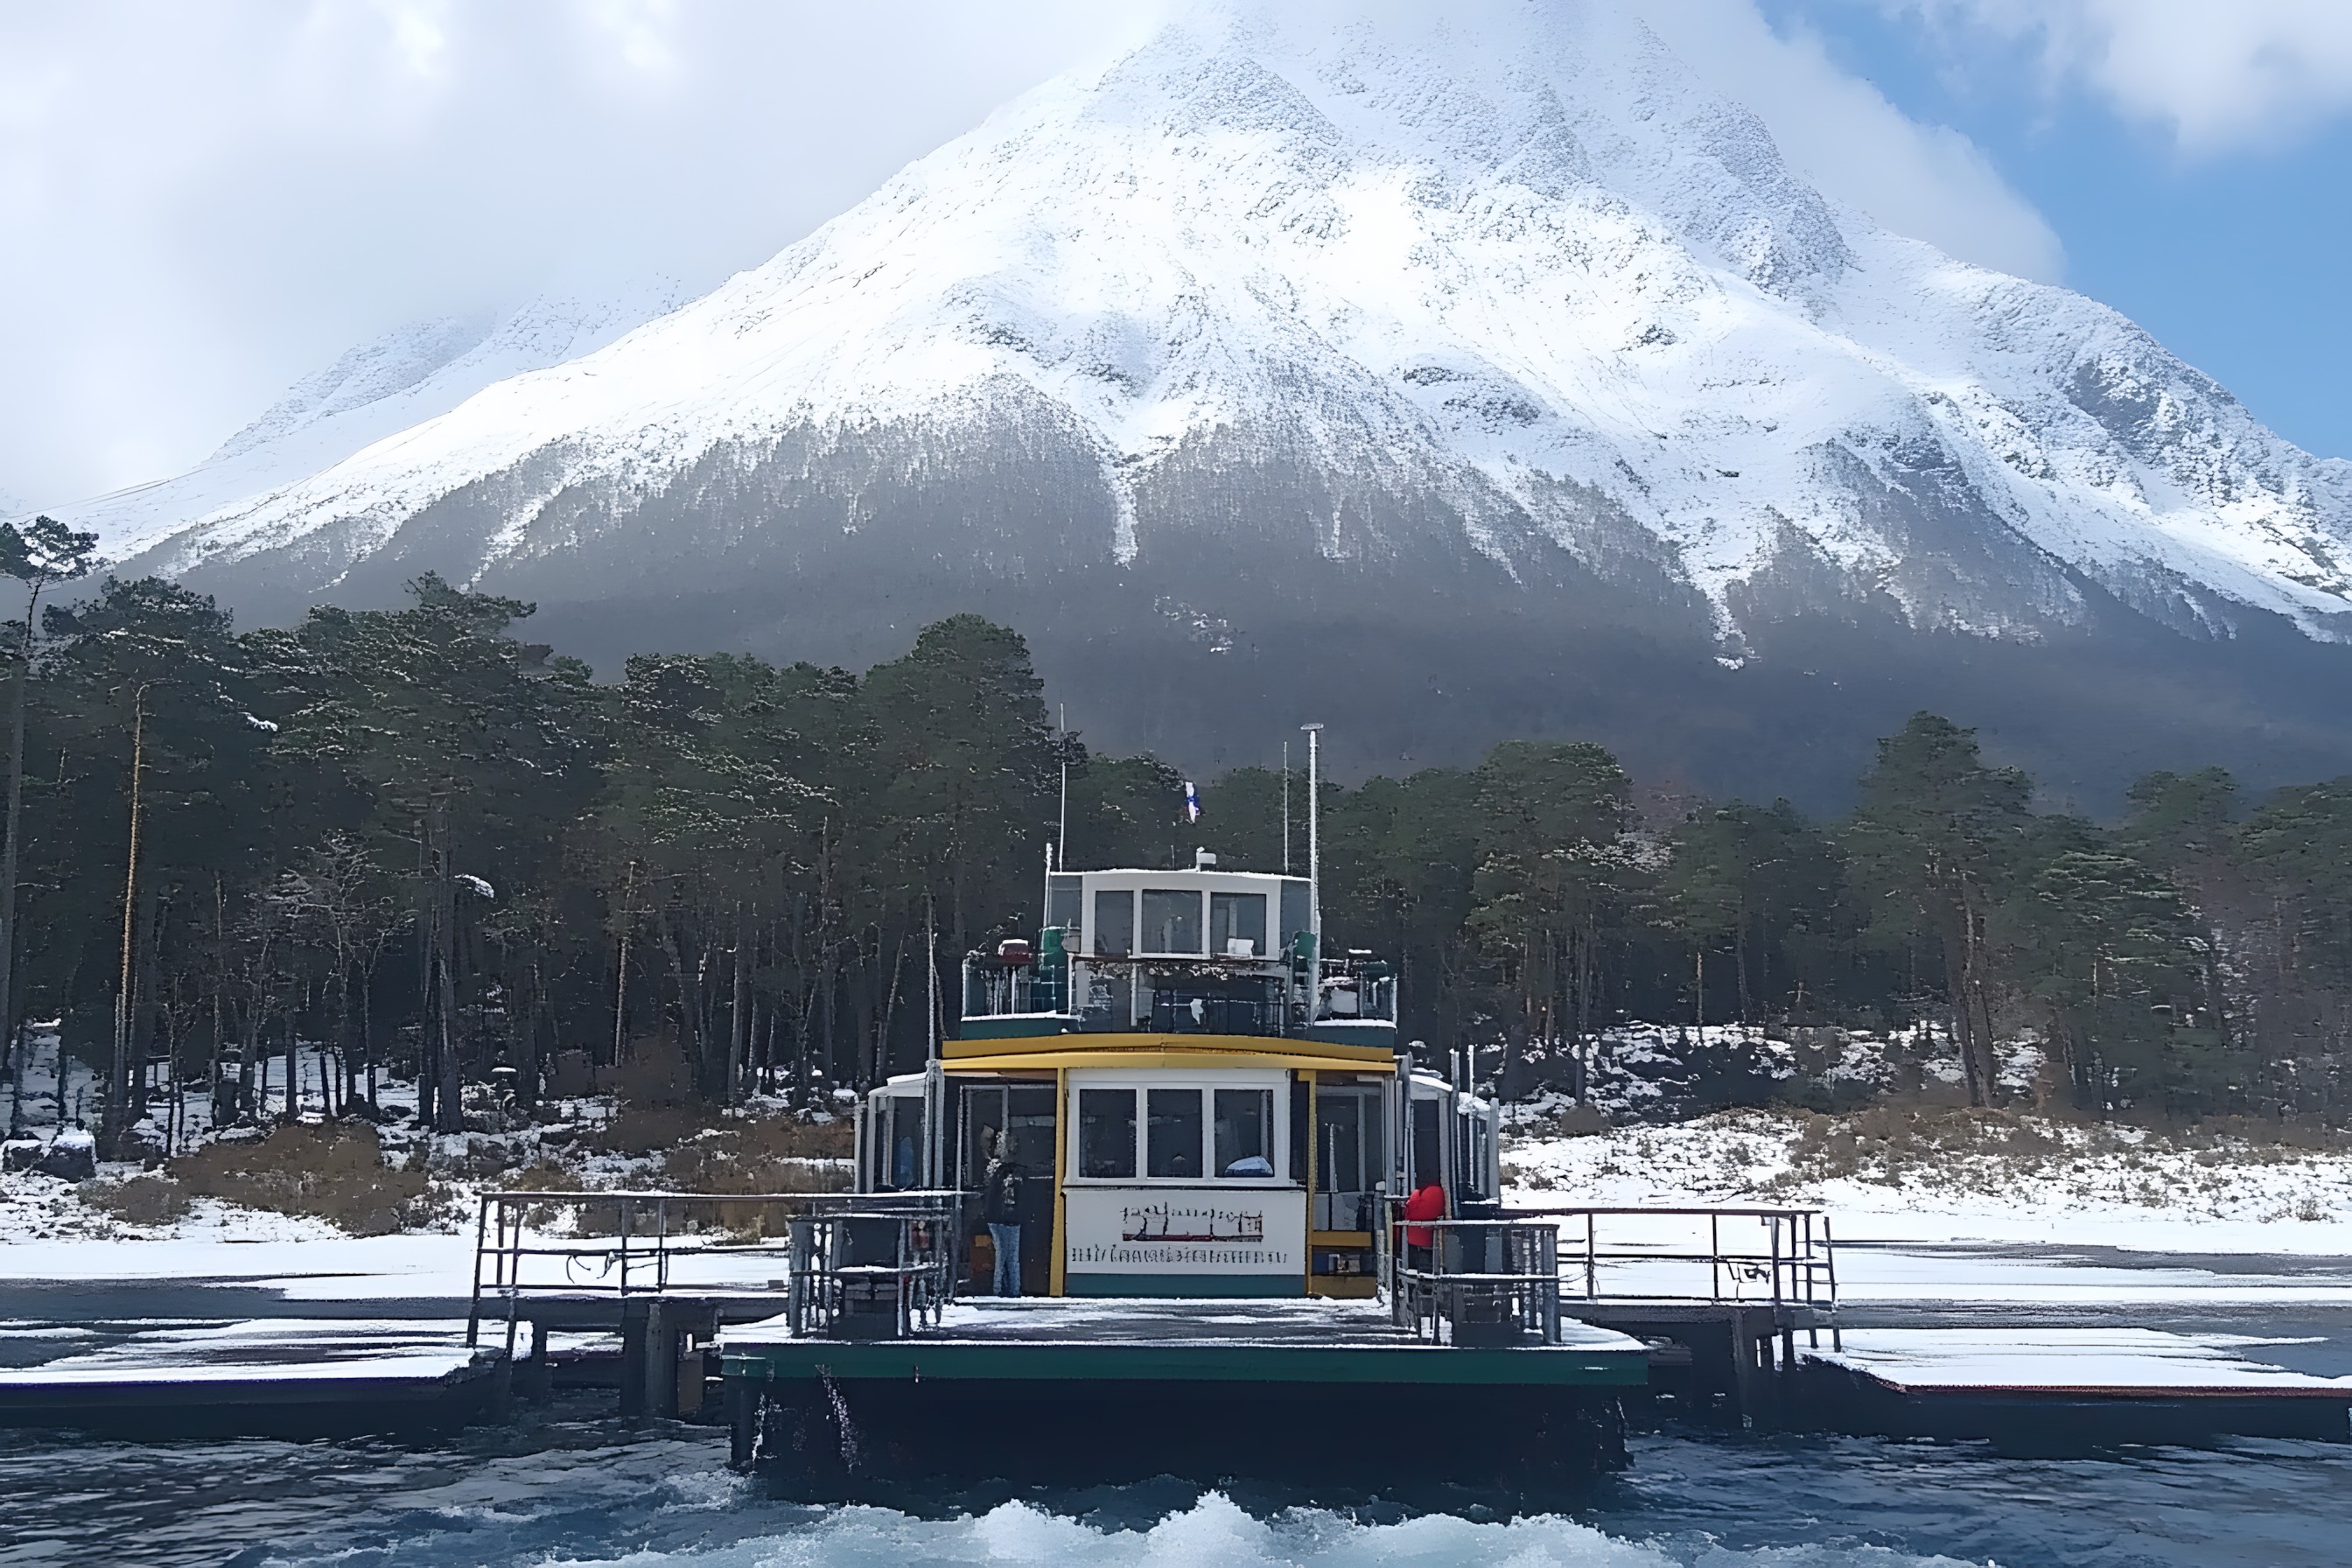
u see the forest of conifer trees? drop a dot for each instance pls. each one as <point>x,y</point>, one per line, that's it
<point>433,849</point>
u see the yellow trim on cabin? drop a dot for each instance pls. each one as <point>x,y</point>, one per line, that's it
<point>1055,1052</point>
<point>1061,1146</point>
<point>1314,1081</point>
<point>1340,1238</point>
<point>1055,1061</point>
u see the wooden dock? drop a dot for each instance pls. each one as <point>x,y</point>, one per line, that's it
<point>2066,1389</point>
<point>273,1376</point>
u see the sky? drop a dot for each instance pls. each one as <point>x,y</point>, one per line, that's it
<point>199,205</point>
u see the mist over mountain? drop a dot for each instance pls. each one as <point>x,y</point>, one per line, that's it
<point>411,374</point>
<point>1440,379</point>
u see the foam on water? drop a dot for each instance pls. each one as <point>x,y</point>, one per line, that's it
<point>1214,1531</point>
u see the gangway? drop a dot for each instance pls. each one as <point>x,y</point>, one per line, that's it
<point>669,1270</point>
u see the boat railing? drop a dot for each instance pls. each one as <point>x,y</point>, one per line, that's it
<point>1759,1256</point>
<point>1491,1281</point>
<point>1612,1263</point>
<point>832,1253</point>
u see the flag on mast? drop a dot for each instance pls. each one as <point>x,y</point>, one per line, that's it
<point>1191,802</point>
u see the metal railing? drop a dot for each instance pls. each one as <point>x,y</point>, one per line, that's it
<point>1762,1255</point>
<point>870,1275</point>
<point>1519,1273</point>
<point>1475,1281</point>
<point>626,1246</point>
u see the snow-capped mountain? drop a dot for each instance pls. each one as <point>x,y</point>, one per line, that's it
<point>1271,326</point>
<point>411,374</point>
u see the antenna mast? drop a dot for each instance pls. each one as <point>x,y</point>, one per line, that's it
<point>1315,860</point>
<point>1286,809</point>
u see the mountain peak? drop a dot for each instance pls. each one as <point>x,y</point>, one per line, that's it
<point>1501,296</point>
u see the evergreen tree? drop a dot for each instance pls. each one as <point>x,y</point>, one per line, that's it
<point>40,555</point>
<point>1935,841</point>
<point>1555,871</point>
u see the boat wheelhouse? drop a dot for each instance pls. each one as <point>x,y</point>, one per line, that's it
<point>1202,1102</point>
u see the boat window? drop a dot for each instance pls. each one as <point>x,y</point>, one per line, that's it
<point>983,1124</point>
<point>1428,1153</point>
<point>1029,1121</point>
<point>905,1141</point>
<point>1233,917</point>
<point>1297,910</point>
<point>1171,920</point>
<point>1064,902</point>
<point>1171,1142</point>
<point>1244,1132</point>
<point>1115,924</point>
<point>1107,1132</point>
<point>1470,1139</point>
<point>1340,1143</point>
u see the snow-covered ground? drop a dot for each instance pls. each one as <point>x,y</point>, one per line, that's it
<point>2019,1218</point>
<point>1929,1203</point>
<point>1944,1176</point>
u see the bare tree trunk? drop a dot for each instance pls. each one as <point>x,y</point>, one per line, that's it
<point>1740,957</point>
<point>118,1085</point>
<point>1698,990</point>
<point>689,991</point>
<point>621,966</point>
<point>450,1107</point>
<point>739,1022</point>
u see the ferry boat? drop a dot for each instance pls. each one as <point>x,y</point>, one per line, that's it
<point>1202,1102</point>
<point>1216,1129</point>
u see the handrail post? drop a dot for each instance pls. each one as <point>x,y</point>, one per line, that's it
<point>474,1313</point>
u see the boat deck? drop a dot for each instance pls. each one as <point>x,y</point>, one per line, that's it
<point>1304,1340</point>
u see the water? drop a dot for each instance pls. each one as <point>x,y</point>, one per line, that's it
<point>577,1492</point>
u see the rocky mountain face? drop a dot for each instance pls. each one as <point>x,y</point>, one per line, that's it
<point>1440,379</point>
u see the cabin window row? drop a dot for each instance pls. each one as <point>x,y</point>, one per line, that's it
<point>1130,922</point>
<point>1168,921</point>
<point>1175,1135</point>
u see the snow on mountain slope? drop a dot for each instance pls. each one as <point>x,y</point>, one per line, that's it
<point>409,375</point>
<point>1515,258</point>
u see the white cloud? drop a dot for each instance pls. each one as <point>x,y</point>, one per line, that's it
<point>1925,181</point>
<point>2222,74</point>
<point>200,205</point>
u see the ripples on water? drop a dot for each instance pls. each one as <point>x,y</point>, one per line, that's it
<point>591,1492</point>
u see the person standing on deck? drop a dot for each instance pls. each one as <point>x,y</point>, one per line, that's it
<point>1427,1202</point>
<point>1000,1203</point>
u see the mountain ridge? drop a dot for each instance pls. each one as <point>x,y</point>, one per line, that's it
<point>1504,302</point>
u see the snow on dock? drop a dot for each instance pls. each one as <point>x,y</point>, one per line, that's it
<point>268,1374</point>
<point>262,1349</point>
<point>2107,1361</point>
<point>2053,1390</point>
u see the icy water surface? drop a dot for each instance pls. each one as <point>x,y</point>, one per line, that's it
<point>595,1492</point>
